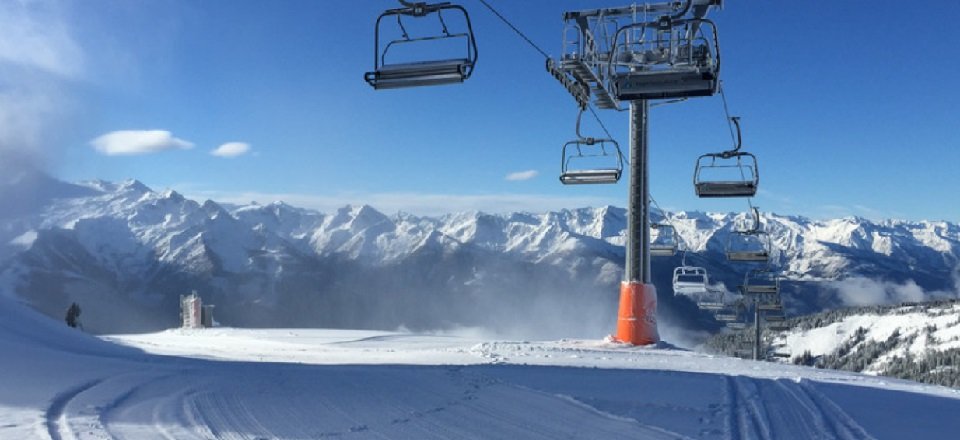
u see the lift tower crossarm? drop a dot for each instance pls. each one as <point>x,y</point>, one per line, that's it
<point>699,7</point>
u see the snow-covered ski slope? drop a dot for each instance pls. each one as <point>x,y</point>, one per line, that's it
<point>311,384</point>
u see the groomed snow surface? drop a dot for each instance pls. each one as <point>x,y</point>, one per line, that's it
<point>311,384</point>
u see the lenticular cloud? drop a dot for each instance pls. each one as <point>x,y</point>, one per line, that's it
<point>134,142</point>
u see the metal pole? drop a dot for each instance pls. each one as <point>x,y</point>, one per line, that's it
<point>637,266</point>
<point>756,330</point>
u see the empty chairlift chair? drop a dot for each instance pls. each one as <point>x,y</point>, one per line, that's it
<point>670,57</point>
<point>693,282</point>
<point>731,173</point>
<point>400,72</point>
<point>733,313</point>
<point>764,287</point>
<point>588,160</point>
<point>690,280</point>
<point>664,242</point>
<point>750,245</point>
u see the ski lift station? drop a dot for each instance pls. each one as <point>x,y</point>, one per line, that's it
<point>616,59</point>
<point>195,314</point>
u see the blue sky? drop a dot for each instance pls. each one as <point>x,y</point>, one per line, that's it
<point>849,106</point>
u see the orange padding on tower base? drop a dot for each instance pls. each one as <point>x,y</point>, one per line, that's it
<point>637,318</point>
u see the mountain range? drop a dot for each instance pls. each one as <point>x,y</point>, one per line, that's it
<point>126,253</point>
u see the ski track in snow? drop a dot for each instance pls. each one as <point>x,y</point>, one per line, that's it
<point>57,420</point>
<point>768,408</point>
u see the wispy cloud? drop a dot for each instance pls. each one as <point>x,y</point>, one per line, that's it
<point>415,203</point>
<point>38,55</point>
<point>133,142</point>
<point>231,149</point>
<point>34,36</point>
<point>862,291</point>
<point>522,175</point>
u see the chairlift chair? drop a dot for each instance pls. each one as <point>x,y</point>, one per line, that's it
<point>731,173</point>
<point>763,283</point>
<point>736,325</point>
<point>774,317</point>
<point>400,74</point>
<point>713,300</point>
<point>690,280</point>
<point>750,245</point>
<point>777,323</point>
<point>726,316</point>
<point>665,243</point>
<point>726,175</point>
<point>588,160</point>
<point>770,306</point>
<point>671,57</point>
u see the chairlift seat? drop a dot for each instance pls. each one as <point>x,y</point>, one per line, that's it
<point>419,73</point>
<point>706,190</point>
<point>689,288</point>
<point>751,256</point>
<point>725,316</point>
<point>664,84</point>
<point>662,250</point>
<point>599,176</point>
<point>774,318</point>
<point>710,305</point>
<point>761,289</point>
<point>736,325</point>
<point>771,307</point>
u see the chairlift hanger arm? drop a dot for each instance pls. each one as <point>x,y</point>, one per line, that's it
<point>418,9</point>
<point>736,150</point>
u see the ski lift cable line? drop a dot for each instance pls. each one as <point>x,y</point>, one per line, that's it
<point>542,52</point>
<point>515,29</point>
<point>726,111</point>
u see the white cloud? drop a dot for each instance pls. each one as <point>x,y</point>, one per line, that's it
<point>415,203</point>
<point>132,142</point>
<point>231,149</point>
<point>522,175</point>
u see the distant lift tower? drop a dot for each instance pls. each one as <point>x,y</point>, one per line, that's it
<point>639,53</point>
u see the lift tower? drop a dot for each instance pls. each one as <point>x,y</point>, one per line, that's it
<point>639,53</point>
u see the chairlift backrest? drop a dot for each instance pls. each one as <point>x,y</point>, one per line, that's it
<point>388,74</point>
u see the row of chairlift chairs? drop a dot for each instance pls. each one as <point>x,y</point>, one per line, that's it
<point>669,57</point>
<point>734,173</point>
